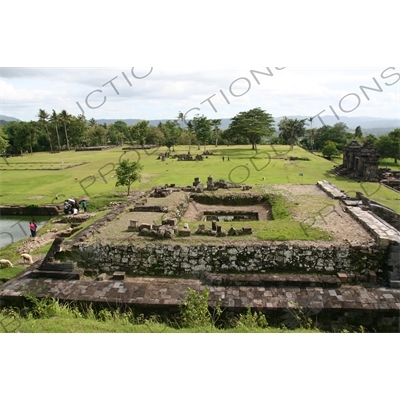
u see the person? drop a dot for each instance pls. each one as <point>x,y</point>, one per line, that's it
<point>223,159</point>
<point>83,204</point>
<point>33,228</point>
<point>67,207</point>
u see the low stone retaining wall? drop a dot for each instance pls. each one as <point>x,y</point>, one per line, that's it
<point>384,234</point>
<point>31,211</point>
<point>168,260</point>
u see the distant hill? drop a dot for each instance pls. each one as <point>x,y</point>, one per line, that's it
<point>7,119</point>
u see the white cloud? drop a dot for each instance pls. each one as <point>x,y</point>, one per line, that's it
<point>166,91</point>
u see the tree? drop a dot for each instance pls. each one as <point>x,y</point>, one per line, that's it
<point>253,125</point>
<point>389,146</point>
<point>138,133</point>
<point>358,133</point>
<point>311,135</point>
<point>338,134</point>
<point>117,132</point>
<point>17,136</point>
<point>65,118</point>
<point>43,117</point>
<point>291,130</point>
<point>171,133</point>
<point>128,172</point>
<point>216,131</point>
<point>154,136</point>
<point>190,129</point>
<point>181,118</point>
<point>78,131</point>
<point>202,130</point>
<point>55,119</point>
<point>330,150</point>
<point>3,142</point>
<point>97,135</point>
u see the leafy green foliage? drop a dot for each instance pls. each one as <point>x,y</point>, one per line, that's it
<point>330,150</point>
<point>128,172</point>
<point>251,322</point>
<point>389,146</point>
<point>3,142</point>
<point>171,133</point>
<point>253,125</point>
<point>195,311</point>
<point>291,130</point>
<point>202,129</point>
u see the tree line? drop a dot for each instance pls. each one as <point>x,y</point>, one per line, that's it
<point>62,131</point>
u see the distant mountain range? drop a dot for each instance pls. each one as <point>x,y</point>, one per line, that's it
<point>7,119</point>
<point>369,125</point>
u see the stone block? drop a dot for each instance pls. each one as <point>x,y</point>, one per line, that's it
<point>119,276</point>
<point>147,227</point>
<point>53,266</point>
<point>61,275</point>
<point>185,232</point>
<point>170,221</point>
<point>372,276</point>
<point>343,278</point>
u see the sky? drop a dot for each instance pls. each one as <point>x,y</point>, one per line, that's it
<point>154,93</point>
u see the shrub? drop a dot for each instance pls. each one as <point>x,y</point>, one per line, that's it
<point>195,312</point>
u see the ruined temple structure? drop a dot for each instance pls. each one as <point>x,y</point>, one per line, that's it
<point>360,162</point>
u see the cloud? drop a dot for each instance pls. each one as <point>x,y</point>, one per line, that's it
<point>166,91</point>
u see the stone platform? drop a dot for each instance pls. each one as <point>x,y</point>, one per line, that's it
<point>374,307</point>
<point>384,234</point>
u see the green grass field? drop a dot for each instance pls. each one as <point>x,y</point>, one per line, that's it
<point>96,177</point>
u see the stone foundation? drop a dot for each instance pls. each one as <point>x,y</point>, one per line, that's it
<point>168,260</point>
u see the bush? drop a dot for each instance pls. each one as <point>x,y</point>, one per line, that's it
<point>330,150</point>
<point>251,322</point>
<point>195,313</point>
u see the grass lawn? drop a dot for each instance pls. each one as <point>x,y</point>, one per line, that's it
<point>82,325</point>
<point>8,273</point>
<point>96,177</point>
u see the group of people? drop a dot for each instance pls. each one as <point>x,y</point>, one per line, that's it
<point>71,206</point>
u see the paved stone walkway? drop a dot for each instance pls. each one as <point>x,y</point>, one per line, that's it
<point>170,292</point>
<point>331,190</point>
<point>384,233</point>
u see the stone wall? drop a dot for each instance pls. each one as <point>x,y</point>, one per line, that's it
<point>168,260</point>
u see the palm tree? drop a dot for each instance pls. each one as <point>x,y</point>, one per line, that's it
<point>55,119</point>
<point>43,117</point>
<point>215,124</point>
<point>311,119</point>
<point>65,118</point>
<point>181,117</point>
<point>190,131</point>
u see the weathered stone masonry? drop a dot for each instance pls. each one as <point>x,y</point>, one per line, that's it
<point>169,260</point>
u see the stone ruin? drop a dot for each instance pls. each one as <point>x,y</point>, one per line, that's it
<point>361,163</point>
<point>163,156</point>
<point>217,230</point>
<point>188,157</point>
<point>198,186</point>
<point>212,185</point>
<point>167,230</point>
<point>162,191</point>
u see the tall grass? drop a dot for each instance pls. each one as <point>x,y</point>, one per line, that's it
<point>49,315</point>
